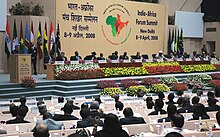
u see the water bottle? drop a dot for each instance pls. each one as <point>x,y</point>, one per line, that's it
<point>164,127</point>
<point>94,131</point>
<point>210,134</point>
<point>200,123</point>
<point>141,134</point>
<point>62,134</point>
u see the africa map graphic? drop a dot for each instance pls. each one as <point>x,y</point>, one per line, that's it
<point>116,24</point>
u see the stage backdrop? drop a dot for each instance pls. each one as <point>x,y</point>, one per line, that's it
<point>106,26</point>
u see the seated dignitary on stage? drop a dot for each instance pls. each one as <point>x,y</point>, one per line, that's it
<point>21,113</point>
<point>91,57</point>
<point>200,111</point>
<point>160,55</point>
<point>101,57</point>
<point>75,57</point>
<point>51,124</point>
<point>137,56</point>
<point>87,119</point>
<point>112,128</point>
<point>61,57</point>
<point>41,130</point>
<point>129,118</point>
<point>212,105</point>
<point>68,109</point>
<point>124,56</point>
<point>158,107</point>
<point>171,109</point>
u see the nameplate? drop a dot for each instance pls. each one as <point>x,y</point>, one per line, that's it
<point>59,62</point>
<point>188,59</point>
<point>88,61</point>
<point>205,59</point>
<point>102,61</point>
<point>74,62</point>
<point>137,60</point>
<point>115,61</point>
<point>214,59</point>
<point>197,59</point>
<point>149,60</point>
<point>169,60</point>
<point>126,61</point>
<point>179,59</point>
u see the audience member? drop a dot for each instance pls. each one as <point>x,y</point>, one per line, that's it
<point>210,95</point>
<point>61,57</point>
<point>112,128</point>
<point>179,101</point>
<point>195,101</point>
<point>186,107</point>
<point>101,57</point>
<point>170,98</point>
<point>75,57</point>
<point>158,107</point>
<point>41,130</point>
<point>16,50</point>
<point>118,104</point>
<point>171,109</point>
<point>161,95</point>
<point>174,134</point>
<point>149,102</point>
<point>84,105</point>
<point>69,100</point>
<point>50,123</point>
<point>212,105</point>
<point>124,56</point>
<point>68,109</point>
<point>94,107</point>
<point>21,113</point>
<point>200,111</point>
<point>23,102</point>
<point>60,99</point>
<point>129,118</point>
<point>204,50</point>
<point>87,119</point>
<point>13,110</point>
<point>42,108</point>
<point>217,125</point>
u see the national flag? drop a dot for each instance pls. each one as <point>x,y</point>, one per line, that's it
<point>15,36</point>
<point>52,42</point>
<point>176,42</point>
<point>22,48</point>
<point>169,43</point>
<point>39,42</point>
<point>32,33</point>
<point>58,44</point>
<point>7,40</point>
<point>181,48</point>
<point>46,47</point>
<point>173,41</point>
<point>27,39</point>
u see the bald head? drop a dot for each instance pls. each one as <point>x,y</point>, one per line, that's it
<point>41,130</point>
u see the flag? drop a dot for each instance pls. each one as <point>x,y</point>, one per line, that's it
<point>169,43</point>
<point>7,40</point>
<point>22,48</point>
<point>58,45</point>
<point>52,43</point>
<point>46,48</point>
<point>27,39</point>
<point>176,41</point>
<point>39,42</point>
<point>181,48</point>
<point>32,33</point>
<point>15,36</point>
<point>173,41</point>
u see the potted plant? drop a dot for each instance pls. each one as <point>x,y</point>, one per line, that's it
<point>28,82</point>
<point>106,84</point>
<point>111,91</point>
<point>156,88</point>
<point>179,88</point>
<point>150,81</point>
<point>140,91</point>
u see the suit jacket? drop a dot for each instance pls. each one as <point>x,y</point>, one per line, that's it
<point>187,107</point>
<point>16,121</point>
<point>88,122</point>
<point>33,52</point>
<point>51,124</point>
<point>167,119</point>
<point>95,113</point>
<point>59,117</point>
<point>100,58</point>
<point>75,58</point>
<point>156,112</point>
<point>213,108</point>
<point>111,133</point>
<point>132,120</point>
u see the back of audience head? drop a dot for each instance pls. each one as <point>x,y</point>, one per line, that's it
<point>218,117</point>
<point>199,110</point>
<point>60,99</point>
<point>68,108</point>
<point>69,100</point>
<point>158,104</point>
<point>149,102</point>
<point>41,130</point>
<point>161,95</point>
<point>98,100</point>
<point>40,102</point>
<point>47,115</point>
<point>174,134</point>
<point>195,100</point>
<point>179,101</point>
<point>171,96</point>
<point>185,101</point>
<point>22,111</point>
<point>42,109</point>
<point>128,112</point>
<point>210,94</point>
<point>94,105</point>
<point>119,106</point>
<point>111,122</point>
<point>84,113</point>
<point>13,110</point>
<point>171,109</point>
<point>177,120</point>
<point>23,100</point>
<point>84,105</point>
<point>212,102</point>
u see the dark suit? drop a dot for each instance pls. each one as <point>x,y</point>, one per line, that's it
<point>111,133</point>
<point>213,108</point>
<point>16,121</point>
<point>88,122</point>
<point>156,112</point>
<point>95,113</point>
<point>132,120</point>
<point>60,58</point>
<point>167,119</point>
<point>100,58</point>
<point>186,107</point>
<point>75,58</point>
<point>113,57</point>
<point>124,57</point>
<point>33,52</point>
<point>59,117</point>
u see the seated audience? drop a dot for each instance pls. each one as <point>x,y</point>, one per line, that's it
<point>23,102</point>
<point>124,56</point>
<point>129,118</point>
<point>118,104</point>
<point>42,109</point>
<point>179,101</point>
<point>41,130</point>
<point>185,106</point>
<point>84,105</point>
<point>68,109</point>
<point>149,102</point>
<point>87,119</point>
<point>171,109</point>
<point>60,99</point>
<point>195,101</point>
<point>217,125</point>
<point>158,107</point>
<point>94,107</point>
<point>161,95</point>
<point>75,57</point>
<point>61,57</point>
<point>137,56</point>
<point>212,105</point>
<point>21,113</point>
<point>13,110</point>
<point>200,111</point>
<point>101,57</point>
<point>112,128</point>
<point>174,134</point>
<point>91,57</point>
<point>170,98</point>
<point>69,100</point>
<point>50,123</point>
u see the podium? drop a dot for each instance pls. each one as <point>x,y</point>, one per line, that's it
<point>20,66</point>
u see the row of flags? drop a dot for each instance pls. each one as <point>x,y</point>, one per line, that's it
<point>46,49</point>
<point>175,41</point>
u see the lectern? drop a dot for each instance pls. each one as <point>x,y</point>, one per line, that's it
<point>20,66</point>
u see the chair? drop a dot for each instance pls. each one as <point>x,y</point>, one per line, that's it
<point>154,56</point>
<point>145,56</point>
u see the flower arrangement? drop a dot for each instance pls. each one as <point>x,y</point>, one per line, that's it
<point>150,64</point>
<point>133,90</point>
<point>159,88</point>
<point>150,81</point>
<point>28,81</point>
<point>168,80</point>
<point>111,91</point>
<point>126,83</point>
<point>194,84</point>
<point>106,84</point>
<point>163,69</point>
<point>214,83</point>
<point>215,76</point>
<point>217,66</point>
<point>179,87</point>
<point>201,78</point>
<point>198,68</point>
